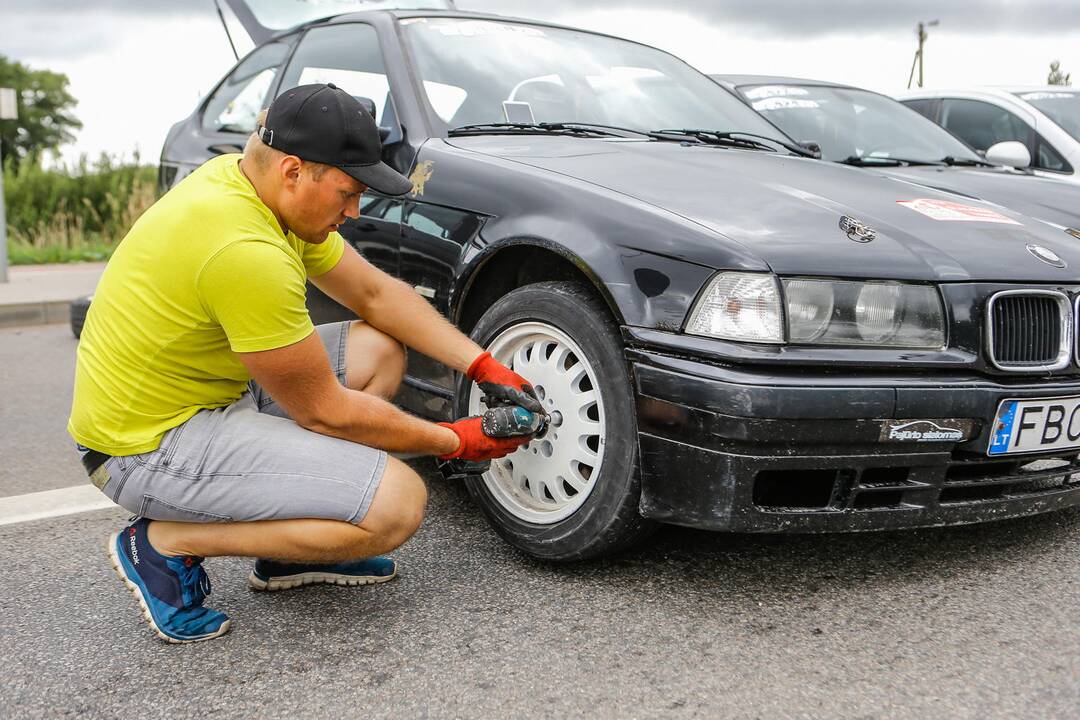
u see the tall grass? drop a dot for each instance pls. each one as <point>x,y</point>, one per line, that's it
<point>69,214</point>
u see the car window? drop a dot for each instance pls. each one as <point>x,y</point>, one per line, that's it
<point>441,222</point>
<point>981,124</point>
<point>923,106</point>
<point>469,68</point>
<point>237,101</point>
<point>347,55</point>
<point>373,205</point>
<point>1047,158</point>
<point>1061,106</point>
<point>852,123</point>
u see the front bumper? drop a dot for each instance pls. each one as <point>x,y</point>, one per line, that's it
<point>765,450</point>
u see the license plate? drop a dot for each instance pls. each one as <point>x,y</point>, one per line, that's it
<point>1039,425</point>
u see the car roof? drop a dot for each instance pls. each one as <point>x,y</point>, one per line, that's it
<point>397,14</point>
<point>991,90</point>
<point>740,80</point>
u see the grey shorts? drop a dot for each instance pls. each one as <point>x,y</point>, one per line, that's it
<point>249,461</point>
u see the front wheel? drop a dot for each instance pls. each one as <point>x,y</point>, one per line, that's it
<point>573,493</point>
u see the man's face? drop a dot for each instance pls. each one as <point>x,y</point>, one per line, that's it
<point>315,208</point>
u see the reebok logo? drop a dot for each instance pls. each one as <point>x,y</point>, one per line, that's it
<point>134,549</point>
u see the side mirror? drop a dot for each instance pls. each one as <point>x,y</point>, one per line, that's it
<point>369,105</point>
<point>1010,154</point>
<point>813,148</point>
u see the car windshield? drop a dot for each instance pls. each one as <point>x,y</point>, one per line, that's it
<point>849,123</point>
<point>1061,107</point>
<point>485,71</point>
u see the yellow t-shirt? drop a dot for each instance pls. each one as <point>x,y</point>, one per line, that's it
<point>204,273</point>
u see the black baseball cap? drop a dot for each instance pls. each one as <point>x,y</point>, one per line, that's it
<point>323,123</point>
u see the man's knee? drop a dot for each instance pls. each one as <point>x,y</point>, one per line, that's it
<point>398,506</point>
<point>379,359</point>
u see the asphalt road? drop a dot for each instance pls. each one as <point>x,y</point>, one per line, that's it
<point>976,622</point>
<point>37,366</point>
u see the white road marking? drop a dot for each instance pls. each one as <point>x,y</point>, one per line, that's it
<point>52,503</point>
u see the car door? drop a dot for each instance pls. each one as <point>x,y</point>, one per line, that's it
<point>349,55</point>
<point>981,124</point>
<point>433,237</point>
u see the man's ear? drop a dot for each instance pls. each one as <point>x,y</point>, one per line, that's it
<point>289,167</point>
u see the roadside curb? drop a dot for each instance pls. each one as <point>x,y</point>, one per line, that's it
<point>52,503</point>
<point>35,313</point>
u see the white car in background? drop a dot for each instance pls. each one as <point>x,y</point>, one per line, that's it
<point>1045,120</point>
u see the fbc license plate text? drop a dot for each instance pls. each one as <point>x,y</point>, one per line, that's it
<point>1027,426</point>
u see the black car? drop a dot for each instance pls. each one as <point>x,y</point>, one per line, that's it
<point>729,334</point>
<point>866,129</point>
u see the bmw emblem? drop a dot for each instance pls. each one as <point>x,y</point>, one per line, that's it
<point>857,231</point>
<point>1046,255</point>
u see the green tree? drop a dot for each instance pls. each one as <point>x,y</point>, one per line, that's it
<point>1057,77</point>
<point>46,120</point>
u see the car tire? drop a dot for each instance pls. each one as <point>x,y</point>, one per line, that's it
<point>556,515</point>
<point>77,313</point>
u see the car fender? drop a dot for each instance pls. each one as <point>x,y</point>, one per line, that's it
<point>646,262</point>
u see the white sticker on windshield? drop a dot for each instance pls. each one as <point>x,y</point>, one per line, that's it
<point>955,212</point>
<point>1047,96</point>
<point>775,91</point>
<point>783,103</point>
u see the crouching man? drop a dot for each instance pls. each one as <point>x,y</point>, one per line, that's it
<point>208,405</point>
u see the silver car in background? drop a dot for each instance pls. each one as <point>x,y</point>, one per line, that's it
<point>1046,120</point>
<point>865,129</point>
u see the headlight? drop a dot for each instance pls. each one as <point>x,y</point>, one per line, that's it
<point>877,312</point>
<point>746,307</point>
<point>739,306</point>
<point>809,309</point>
<point>891,314</point>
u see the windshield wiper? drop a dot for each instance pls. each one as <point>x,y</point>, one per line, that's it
<point>614,130</point>
<point>731,137</point>
<point>966,162</point>
<point>571,129</point>
<point>871,161</point>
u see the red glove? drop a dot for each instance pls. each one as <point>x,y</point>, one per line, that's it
<point>475,445</point>
<point>500,383</point>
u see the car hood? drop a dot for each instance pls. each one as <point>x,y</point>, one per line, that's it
<point>787,209</point>
<point>1041,198</point>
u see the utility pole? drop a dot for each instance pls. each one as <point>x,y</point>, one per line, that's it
<point>8,111</point>
<point>921,34</point>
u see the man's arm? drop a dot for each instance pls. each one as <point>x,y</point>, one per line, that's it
<point>299,378</point>
<point>395,308</point>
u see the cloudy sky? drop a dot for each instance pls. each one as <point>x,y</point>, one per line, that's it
<point>137,66</point>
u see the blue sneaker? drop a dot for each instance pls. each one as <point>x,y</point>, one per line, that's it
<point>170,590</point>
<point>270,575</point>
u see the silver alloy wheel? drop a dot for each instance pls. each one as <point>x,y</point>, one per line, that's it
<point>548,479</point>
